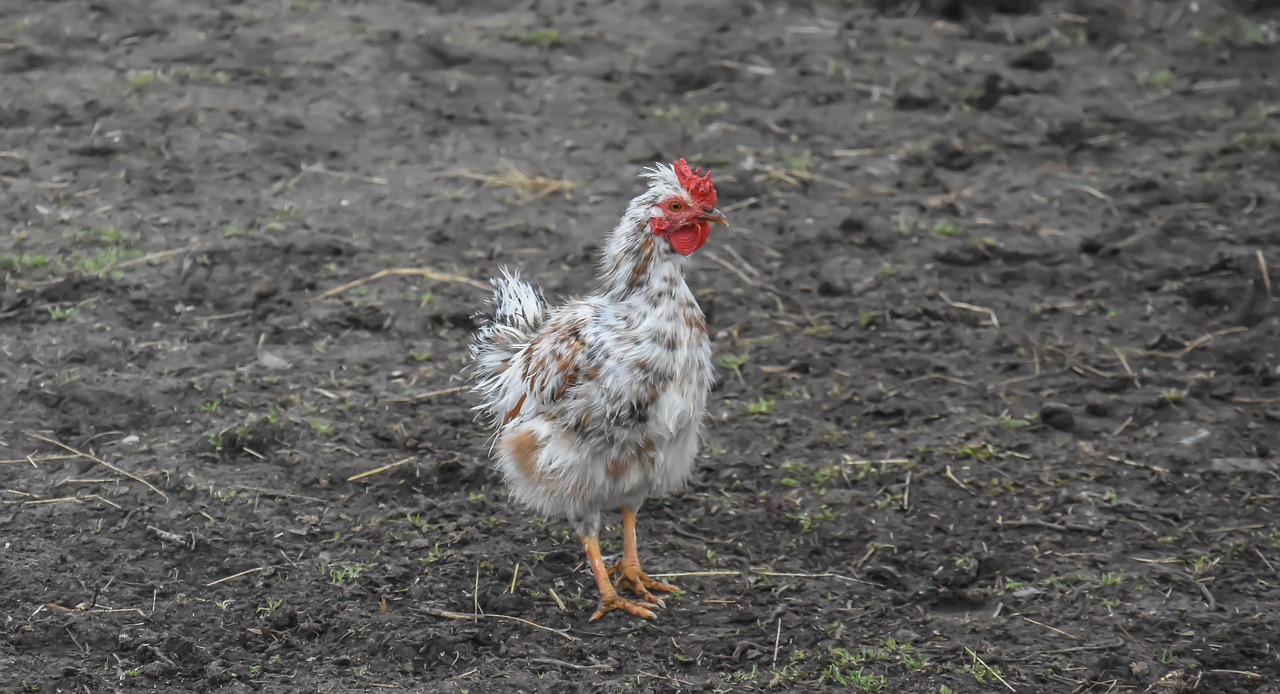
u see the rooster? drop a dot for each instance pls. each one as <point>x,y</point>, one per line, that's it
<point>598,403</point>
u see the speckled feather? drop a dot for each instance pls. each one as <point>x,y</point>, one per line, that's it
<point>599,402</point>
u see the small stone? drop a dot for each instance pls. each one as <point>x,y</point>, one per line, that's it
<point>271,360</point>
<point>1192,438</point>
<point>1058,415</point>
<point>906,636</point>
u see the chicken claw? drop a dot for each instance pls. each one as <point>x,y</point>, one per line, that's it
<point>633,579</point>
<point>627,569</point>
<point>609,598</point>
<point>609,603</point>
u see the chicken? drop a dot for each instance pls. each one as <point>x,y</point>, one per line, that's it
<point>598,404</point>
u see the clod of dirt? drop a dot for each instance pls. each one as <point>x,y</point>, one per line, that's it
<point>217,672</point>
<point>1037,60</point>
<point>840,275</point>
<point>914,101</point>
<point>951,156</point>
<point>1058,415</point>
<point>158,670</point>
<point>1098,408</point>
<point>284,618</point>
<point>986,98</point>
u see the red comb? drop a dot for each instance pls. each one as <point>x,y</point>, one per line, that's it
<point>696,184</point>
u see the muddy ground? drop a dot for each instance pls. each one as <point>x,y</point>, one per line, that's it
<point>998,404</point>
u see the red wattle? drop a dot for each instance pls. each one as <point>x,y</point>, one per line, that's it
<point>688,239</point>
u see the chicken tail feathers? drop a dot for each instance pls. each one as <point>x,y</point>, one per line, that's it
<point>516,312</point>
<point>516,303</point>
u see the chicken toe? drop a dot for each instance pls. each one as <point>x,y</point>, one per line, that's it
<point>630,577</point>
<point>609,598</point>
<point>609,603</point>
<point>627,569</point>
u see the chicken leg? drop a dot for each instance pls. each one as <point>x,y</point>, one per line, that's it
<point>609,598</point>
<point>627,569</point>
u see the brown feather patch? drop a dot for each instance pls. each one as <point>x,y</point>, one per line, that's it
<point>524,448</point>
<point>643,261</point>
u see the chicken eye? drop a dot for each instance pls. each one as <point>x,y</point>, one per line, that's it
<point>675,206</point>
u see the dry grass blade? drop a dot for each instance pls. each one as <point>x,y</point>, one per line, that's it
<point>321,169</point>
<point>273,493</point>
<point>1197,343</point>
<point>989,669</point>
<point>1111,204</point>
<point>1204,339</point>
<point>405,272</point>
<point>449,614</point>
<point>65,499</point>
<point>1263,557</point>
<point>1266,274</point>
<point>1053,629</point>
<point>57,500</point>
<point>529,186</point>
<point>995,322</point>
<point>686,574</point>
<point>437,393</point>
<point>232,577</point>
<point>1242,673</point>
<point>767,574</point>
<point>606,666</point>
<point>384,468</point>
<point>778,574</point>
<point>101,462</point>
<point>741,204</point>
<point>777,641</point>
<point>952,476</point>
<point>850,460</point>
<point>1124,363</point>
<point>153,257</point>
<point>731,268</point>
<point>32,460</point>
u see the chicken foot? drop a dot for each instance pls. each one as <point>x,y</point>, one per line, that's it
<point>609,598</point>
<point>627,569</point>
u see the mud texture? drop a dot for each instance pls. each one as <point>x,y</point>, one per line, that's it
<point>998,351</point>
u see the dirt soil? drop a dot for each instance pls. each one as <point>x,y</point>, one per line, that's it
<point>999,361</point>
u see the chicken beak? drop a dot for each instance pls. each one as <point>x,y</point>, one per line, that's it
<point>714,217</point>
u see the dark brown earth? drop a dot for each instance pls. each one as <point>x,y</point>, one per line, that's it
<point>999,401</point>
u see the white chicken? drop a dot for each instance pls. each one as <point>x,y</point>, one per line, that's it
<point>598,404</point>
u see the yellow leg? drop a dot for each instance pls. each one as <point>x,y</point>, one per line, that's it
<point>609,598</point>
<point>627,568</point>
